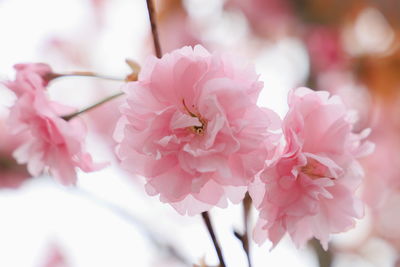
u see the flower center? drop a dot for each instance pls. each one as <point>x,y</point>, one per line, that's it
<point>199,130</point>
<point>315,170</point>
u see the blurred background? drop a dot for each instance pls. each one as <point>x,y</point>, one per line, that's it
<point>350,48</point>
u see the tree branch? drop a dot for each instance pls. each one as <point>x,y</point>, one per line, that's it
<point>154,31</point>
<point>207,221</point>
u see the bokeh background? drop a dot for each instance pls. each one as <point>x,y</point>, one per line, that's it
<point>350,48</point>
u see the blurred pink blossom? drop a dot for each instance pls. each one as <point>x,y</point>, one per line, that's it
<point>381,188</point>
<point>308,189</point>
<point>29,77</point>
<point>325,48</point>
<point>53,143</point>
<point>191,126</point>
<point>176,30</point>
<point>98,7</point>
<point>266,16</point>
<point>55,257</point>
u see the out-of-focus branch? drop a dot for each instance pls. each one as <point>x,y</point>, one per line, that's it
<point>155,239</point>
<point>154,31</point>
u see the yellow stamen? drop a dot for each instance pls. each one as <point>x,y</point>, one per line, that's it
<point>199,130</point>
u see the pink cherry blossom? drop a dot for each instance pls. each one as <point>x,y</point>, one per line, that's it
<point>381,185</point>
<point>266,17</point>
<point>55,257</point>
<point>381,177</point>
<point>325,49</point>
<point>176,29</point>
<point>192,128</point>
<point>29,77</point>
<point>53,143</point>
<point>308,189</point>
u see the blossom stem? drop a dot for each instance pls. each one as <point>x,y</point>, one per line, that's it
<point>325,258</point>
<point>154,31</point>
<point>244,238</point>
<point>207,221</point>
<point>52,76</point>
<point>246,218</point>
<point>70,116</point>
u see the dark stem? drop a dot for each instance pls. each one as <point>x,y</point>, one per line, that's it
<point>153,22</point>
<point>70,116</point>
<point>325,258</point>
<point>244,238</point>
<point>206,219</point>
<point>246,218</point>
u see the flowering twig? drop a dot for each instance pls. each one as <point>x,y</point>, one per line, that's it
<point>70,116</point>
<point>206,219</point>
<point>157,47</point>
<point>52,76</point>
<point>153,22</point>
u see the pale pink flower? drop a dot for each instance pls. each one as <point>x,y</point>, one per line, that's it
<point>325,49</point>
<point>192,128</point>
<point>29,77</point>
<point>177,30</point>
<point>382,173</point>
<point>308,189</point>
<point>381,187</point>
<point>53,143</point>
<point>55,257</point>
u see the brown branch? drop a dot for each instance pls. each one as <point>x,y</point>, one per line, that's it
<point>244,238</point>
<point>246,218</point>
<point>154,31</point>
<point>207,221</point>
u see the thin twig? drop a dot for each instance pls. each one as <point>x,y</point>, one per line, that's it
<point>52,76</point>
<point>154,31</point>
<point>244,238</point>
<point>70,116</point>
<point>207,221</point>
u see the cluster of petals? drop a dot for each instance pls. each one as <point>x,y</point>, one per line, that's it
<point>191,127</point>
<point>53,143</point>
<point>308,189</point>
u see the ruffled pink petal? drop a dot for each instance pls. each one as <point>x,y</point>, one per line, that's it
<point>192,128</point>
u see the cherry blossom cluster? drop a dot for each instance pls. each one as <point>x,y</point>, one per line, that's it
<point>191,126</point>
<point>54,144</point>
